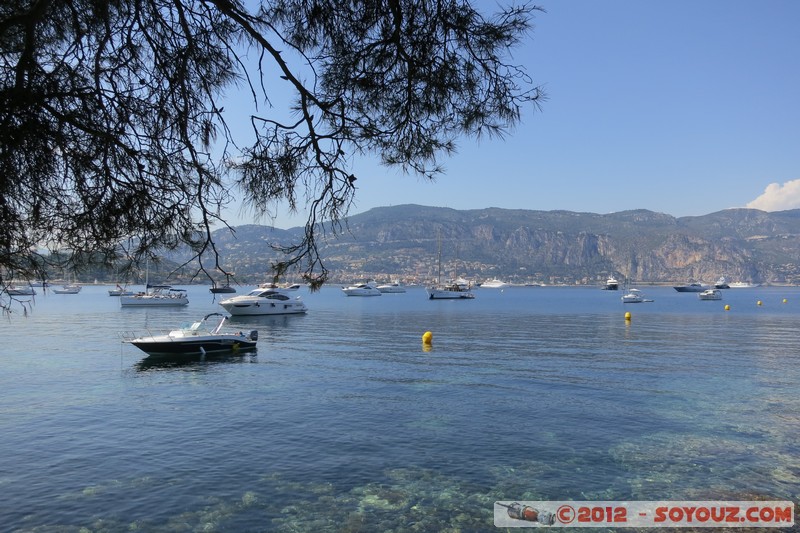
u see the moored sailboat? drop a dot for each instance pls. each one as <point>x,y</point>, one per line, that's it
<point>451,291</point>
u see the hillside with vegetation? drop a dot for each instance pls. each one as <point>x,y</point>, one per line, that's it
<point>526,246</point>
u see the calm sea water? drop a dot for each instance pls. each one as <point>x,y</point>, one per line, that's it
<point>343,421</point>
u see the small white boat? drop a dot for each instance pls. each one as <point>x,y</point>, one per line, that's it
<point>196,339</point>
<point>363,289</point>
<point>264,302</point>
<point>392,288</point>
<point>68,289</point>
<point>120,291</point>
<point>634,296</point>
<point>710,294</point>
<point>20,290</point>
<point>160,295</point>
<point>494,284</point>
<point>449,292</point>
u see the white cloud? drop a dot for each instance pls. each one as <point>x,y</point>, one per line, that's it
<point>777,197</point>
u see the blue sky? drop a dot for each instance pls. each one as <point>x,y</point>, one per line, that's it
<point>685,107</point>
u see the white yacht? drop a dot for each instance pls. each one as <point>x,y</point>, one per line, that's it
<point>362,289</point>
<point>494,284</point>
<point>263,301</point>
<point>393,287</point>
<point>742,285</point>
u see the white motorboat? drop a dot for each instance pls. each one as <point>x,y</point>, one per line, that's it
<point>611,284</point>
<point>634,296</point>
<point>264,302</point>
<point>68,289</point>
<point>196,339</point>
<point>362,289</point>
<point>710,294</point>
<point>158,295</point>
<point>393,287</point>
<point>494,284</point>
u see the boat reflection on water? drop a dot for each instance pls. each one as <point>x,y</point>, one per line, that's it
<point>192,363</point>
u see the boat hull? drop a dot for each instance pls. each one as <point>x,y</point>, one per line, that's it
<point>222,290</point>
<point>232,344</point>
<point>21,291</point>
<point>690,288</point>
<point>264,308</point>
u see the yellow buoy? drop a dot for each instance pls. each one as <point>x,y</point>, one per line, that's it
<point>758,302</point>
<point>427,337</point>
<point>727,307</point>
<point>784,300</point>
<point>628,315</point>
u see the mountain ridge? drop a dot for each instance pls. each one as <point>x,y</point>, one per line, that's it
<point>532,246</point>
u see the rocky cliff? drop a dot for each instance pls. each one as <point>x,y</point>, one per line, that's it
<point>544,246</point>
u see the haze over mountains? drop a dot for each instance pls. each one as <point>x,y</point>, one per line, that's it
<point>522,246</point>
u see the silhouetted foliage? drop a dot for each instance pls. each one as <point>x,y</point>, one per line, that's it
<point>113,135</point>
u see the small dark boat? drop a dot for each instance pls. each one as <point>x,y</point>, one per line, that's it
<point>691,287</point>
<point>223,289</point>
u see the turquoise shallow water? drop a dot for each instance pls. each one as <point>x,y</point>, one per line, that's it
<point>343,422</point>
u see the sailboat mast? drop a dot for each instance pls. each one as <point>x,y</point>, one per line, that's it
<point>439,279</point>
